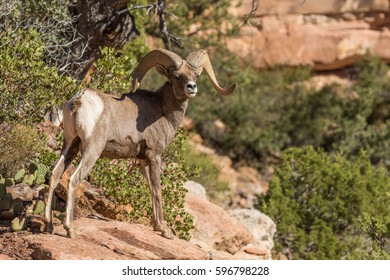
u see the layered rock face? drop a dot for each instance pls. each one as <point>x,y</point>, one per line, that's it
<point>325,35</point>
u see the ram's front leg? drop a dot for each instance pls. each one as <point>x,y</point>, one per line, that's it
<point>152,172</point>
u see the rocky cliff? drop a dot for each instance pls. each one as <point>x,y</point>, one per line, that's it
<point>325,35</point>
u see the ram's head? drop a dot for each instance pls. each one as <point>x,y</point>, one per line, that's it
<point>182,74</point>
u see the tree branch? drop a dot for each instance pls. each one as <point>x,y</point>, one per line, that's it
<point>160,10</point>
<point>167,37</point>
<point>251,14</point>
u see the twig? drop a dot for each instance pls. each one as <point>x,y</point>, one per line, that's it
<point>166,36</point>
<point>138,7</point>
<point>160,11</point>
<point>246,21</point>
<point>251,14</point>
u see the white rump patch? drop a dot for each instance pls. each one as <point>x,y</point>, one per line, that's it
<point>89,112</point>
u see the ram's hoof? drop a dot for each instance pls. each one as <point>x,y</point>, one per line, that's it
<point>49,227</point>
<point>70,232</point>
<point>167,233</point>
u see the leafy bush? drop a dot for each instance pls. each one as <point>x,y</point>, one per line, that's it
<point>372,126</point>
<point>28,85</point>
<point>47,156</point>
<point>316,201</point>
<point>123,180</point>
<point>114,68</point>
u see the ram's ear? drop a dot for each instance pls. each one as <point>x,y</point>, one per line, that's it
<point>163,71</point>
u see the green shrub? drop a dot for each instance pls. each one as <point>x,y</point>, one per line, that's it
<point>316,201</point>
<point>28,86</point>
<point>114,68</point>
<point>123,180</point>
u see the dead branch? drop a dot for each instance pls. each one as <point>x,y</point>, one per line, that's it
<point>251,14</point>
<point>167,37</point>
<point>160,9</point>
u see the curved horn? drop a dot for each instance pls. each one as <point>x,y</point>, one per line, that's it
<point>159,56</point>
<point>201,59</point>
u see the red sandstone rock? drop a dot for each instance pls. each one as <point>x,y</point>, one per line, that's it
<point>215,227</point>
<point>325,36</point>
<point>110,240</point>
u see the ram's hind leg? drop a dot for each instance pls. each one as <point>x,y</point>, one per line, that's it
<point>89,155</point>
<point>68,153</point>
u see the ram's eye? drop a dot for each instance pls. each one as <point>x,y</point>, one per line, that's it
<point>176,76</point>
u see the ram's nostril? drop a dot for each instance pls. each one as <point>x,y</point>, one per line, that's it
<point>191,85</point>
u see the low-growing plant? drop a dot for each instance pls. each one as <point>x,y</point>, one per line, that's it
<point>316,201</point>
<point>47,157</point>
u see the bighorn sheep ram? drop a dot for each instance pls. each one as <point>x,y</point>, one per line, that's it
<point>140,124</point>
